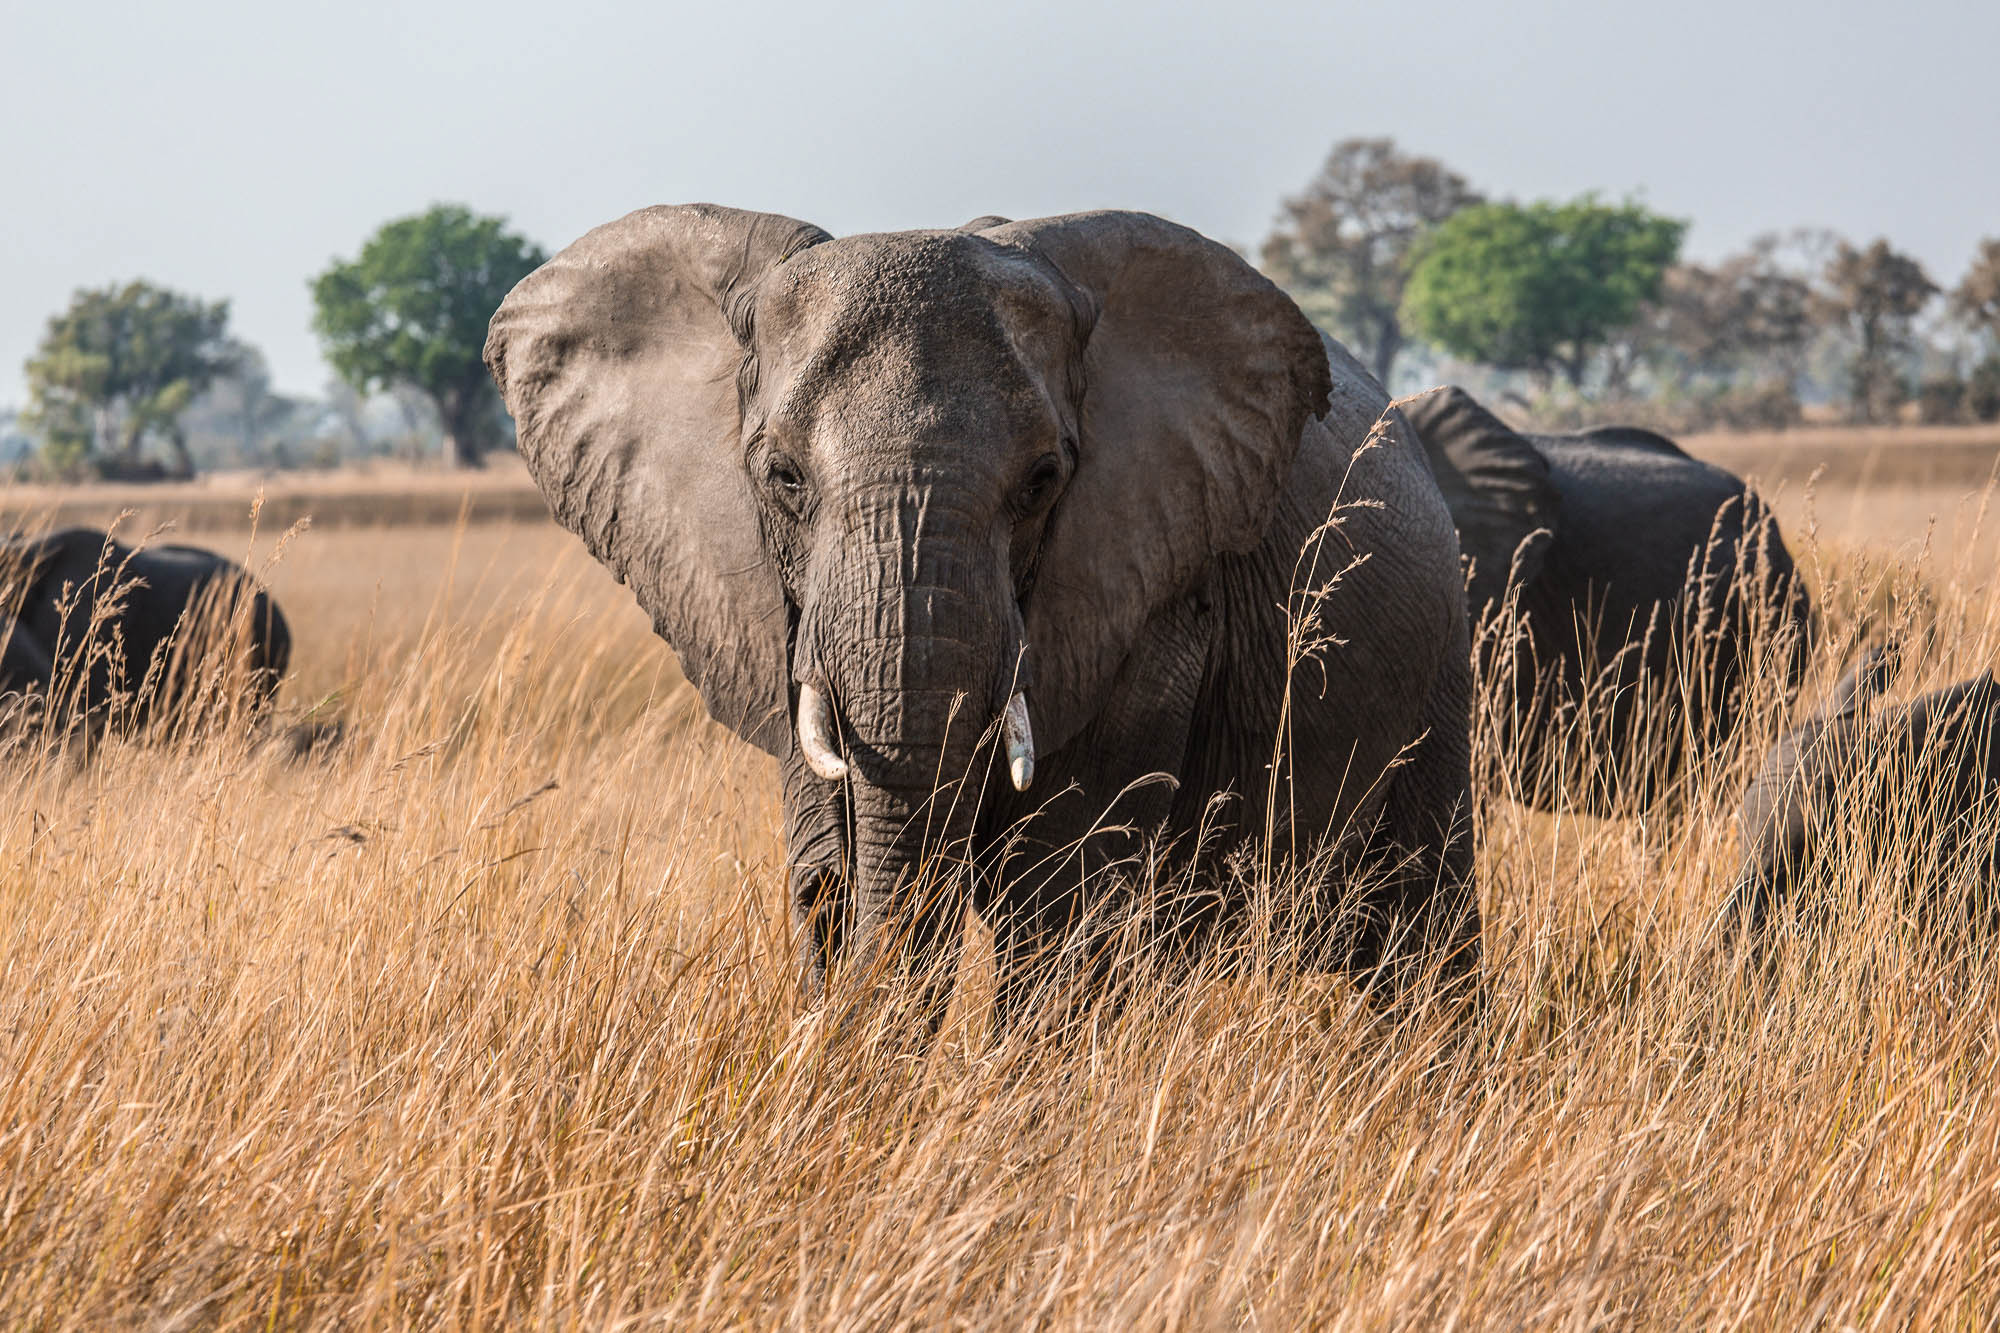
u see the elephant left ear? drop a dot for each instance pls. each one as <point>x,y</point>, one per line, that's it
<point>1496,484</point>
<point>1199,377</point>
<point>619,360</point>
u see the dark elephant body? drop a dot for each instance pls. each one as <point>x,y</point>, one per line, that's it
<point>1203,698</point>
<point>1643,580</point>
<point>889,497</point>
<point>1925,772</point>
<point>100,628</point>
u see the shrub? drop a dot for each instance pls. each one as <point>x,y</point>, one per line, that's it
<point>1982,390</point>
<point>1941,400</point>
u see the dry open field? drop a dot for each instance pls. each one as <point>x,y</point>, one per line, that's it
<point>486,1018</point>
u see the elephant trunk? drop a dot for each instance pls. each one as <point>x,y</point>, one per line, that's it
<point>913,653</point>
<point>916,707</point>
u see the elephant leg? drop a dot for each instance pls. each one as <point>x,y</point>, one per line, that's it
<point>1054,956</point>
<point>1079,859</point>
<point>816,872</point>
<point>1419,905</point>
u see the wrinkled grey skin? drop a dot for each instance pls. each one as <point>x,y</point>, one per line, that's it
<point>1077,457</point>
<point>1625,552</point>
<point>1941,748</point>
<point>55,586</point>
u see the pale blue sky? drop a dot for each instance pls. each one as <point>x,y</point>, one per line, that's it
<point>231,148</point>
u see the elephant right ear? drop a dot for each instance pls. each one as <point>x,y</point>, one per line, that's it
<point>619,364</point>
<point>1496,484</point>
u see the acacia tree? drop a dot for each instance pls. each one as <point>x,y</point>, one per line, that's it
<point>1876,293</point>
<point>1342,246</point>
<point>1747,314</point>
<point>412,308</point>
<point>119,367</point>
<point>1976,299</point>
<point>1538,287</point>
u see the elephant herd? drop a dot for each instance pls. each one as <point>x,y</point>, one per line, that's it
<point>1056,561</point>
<point>1049,558</point>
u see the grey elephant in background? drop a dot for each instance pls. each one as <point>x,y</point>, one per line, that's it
<point>1640,573</point>
<point>1928,768</point>
<point>989,536</point>
<point>105,633</point>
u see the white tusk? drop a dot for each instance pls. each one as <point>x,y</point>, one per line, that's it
<point>816,735</point>
<point>1020,742</point>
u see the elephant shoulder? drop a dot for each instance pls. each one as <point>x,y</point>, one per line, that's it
<point>1356,398</point>
<point>1497,483</point>
<point>1358,449</point>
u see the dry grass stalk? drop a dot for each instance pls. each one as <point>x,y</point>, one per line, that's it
<point>487,1016</point>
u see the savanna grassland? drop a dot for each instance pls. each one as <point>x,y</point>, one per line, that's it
<point>484,1015</point>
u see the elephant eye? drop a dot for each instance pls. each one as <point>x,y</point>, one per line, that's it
<point>788,484</point>
<point>1040,485</point>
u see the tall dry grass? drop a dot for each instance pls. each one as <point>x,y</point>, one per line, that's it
<point>487,1017</point>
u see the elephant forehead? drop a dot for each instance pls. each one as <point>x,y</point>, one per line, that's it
<point>941,296</point>
<point>919,337</point>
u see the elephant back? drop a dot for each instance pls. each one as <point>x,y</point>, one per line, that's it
<point>1633,519</point>
<point>1627,437</point>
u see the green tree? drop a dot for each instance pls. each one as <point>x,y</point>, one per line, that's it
<point>1876,293</point>
<point>412,310</point>
<point>119,367</point>
<point>1341,247</point>
<point>1538,287</point>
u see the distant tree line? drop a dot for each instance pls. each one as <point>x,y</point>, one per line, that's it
<point>139,382</point>
<point>1591,305</point>
<point>1582,307</point>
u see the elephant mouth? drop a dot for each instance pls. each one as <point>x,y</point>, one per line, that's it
<point>819,731</point>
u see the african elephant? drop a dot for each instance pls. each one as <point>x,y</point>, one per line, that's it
<point>107,633</point>
<point>1928,769</point>
<point>989,536</point>
<point>1642,577</point>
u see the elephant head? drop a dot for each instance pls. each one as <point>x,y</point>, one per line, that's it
<point>884,492</point>
<point>1496,484</point>
<point>24,662</point>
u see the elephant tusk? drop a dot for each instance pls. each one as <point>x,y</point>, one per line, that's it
<point>1020,742</point>
<point>816,734</point>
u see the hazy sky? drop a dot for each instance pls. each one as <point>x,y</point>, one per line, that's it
<point>233,149</point>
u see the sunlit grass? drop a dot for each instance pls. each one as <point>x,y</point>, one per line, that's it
<point>488,1016</point>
